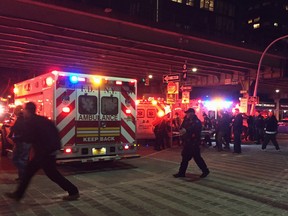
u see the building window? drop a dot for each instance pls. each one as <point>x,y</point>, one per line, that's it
<point>257,19</point>
<point>177,1</point>
<point>207,4</point>
<point>256,25</point>
<point>190,2</point>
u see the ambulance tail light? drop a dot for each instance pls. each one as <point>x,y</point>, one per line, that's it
<point>68,150</point>
<point>126,147</point>
<point>66,110</point>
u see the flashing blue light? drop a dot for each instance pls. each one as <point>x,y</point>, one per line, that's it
<point>73,79</point>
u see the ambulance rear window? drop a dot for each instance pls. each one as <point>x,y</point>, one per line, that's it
<point>109,105</point>
<point>151,113</point>
<point>140,113</point>
<point>87,104</point>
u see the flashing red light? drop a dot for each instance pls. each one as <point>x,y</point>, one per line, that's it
<point>66,109</point>
<point>154,102</point>
<point>68,150</point>
<point>16,90</point>
<point>128,111</point>
<point>126,147</point>
<point>49,81</point>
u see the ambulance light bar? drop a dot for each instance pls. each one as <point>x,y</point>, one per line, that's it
<point>75,79</point>
<point>49,81</point>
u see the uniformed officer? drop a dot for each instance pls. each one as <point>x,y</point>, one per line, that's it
<point>191,132</point>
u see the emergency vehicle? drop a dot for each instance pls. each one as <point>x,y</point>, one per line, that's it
<point>95,115</point>
<point>148,112</point>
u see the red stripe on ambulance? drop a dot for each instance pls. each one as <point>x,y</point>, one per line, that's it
<point>63,115</point>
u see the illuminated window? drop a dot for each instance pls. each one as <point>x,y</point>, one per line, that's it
<point>207,4</point>
<point>250,21</point>
<point>190,2</point>
<point>257,19</point>
<point>177,1</point>
<point>256,25</point>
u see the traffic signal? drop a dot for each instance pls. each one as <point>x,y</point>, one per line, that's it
<point>147,81</point>
<point>184,73</point>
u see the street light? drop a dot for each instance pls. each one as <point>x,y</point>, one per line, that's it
<point>258,70</point>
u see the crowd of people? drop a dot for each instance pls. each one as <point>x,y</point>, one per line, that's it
<point>228,128</point>
<point>37,134</point>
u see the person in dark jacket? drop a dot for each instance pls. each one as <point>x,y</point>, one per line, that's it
<point>21,148</point>
<point>259,125</point>
<point>161,132</point>
<point>191,132</point>
<point>237,130</point>
<point>45,140</point>
<point>271,129</point>
<point>207,125</point>
<point>223,130</point>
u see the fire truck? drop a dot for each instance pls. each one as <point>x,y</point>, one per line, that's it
<point>95,115</point>
<point>148,112</point>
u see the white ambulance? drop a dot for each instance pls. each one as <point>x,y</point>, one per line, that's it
<point>148,112</point>
<point>95,115</point>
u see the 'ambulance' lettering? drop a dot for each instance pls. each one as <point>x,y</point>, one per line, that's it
<point>87,117</point>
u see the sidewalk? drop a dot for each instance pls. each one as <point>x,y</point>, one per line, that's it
<point>253,183</point>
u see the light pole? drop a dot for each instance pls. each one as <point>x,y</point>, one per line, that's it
<point>258,70</point>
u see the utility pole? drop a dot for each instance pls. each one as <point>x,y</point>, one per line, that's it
<point>258,70</point>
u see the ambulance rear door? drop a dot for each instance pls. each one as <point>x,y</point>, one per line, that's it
<point>146,114</point>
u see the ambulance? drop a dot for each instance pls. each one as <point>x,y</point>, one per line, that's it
<point>95,115</point>
<point>149,112</point>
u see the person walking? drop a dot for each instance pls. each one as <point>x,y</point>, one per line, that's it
<point>191,132</point>
<point>271,127</point>
<point>237,130</point>
<point>21,148</point>
<point>45,140</point>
